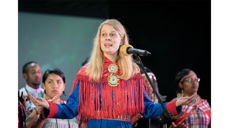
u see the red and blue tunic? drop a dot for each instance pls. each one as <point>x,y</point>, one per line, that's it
<point>106,106</point>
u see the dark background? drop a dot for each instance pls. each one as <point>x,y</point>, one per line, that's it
<point>176,32</point>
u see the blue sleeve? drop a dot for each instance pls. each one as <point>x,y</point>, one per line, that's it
<point>152,110</point>
<point>69,110</point>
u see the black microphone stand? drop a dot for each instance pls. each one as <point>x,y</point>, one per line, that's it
<point>166,114</point>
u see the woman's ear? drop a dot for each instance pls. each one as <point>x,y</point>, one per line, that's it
<point>43,85</point>
<point>180,85</point>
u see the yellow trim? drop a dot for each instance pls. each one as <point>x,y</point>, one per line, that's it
<point>123,49</point>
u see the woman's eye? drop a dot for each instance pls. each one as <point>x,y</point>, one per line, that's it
<point>103,34</point>
<point>59,82</point>
<point>112,34</point>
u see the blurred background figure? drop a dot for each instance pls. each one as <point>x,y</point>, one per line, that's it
<point>54,85</point>
<point>148,87</point>
<point>21,112</point>
<point>32,75</point>
<point>139,121</point>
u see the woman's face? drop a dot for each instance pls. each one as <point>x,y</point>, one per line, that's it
<point>54,86</point>
<point>190,84</point>
<point>110,40</point>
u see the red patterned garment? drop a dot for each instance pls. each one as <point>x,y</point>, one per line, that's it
<point>107,102</point>
<point>198,116</point>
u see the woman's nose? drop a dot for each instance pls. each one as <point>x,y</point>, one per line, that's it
<point>108,37</point>
<point>55,85</point>
<point>195,82</point>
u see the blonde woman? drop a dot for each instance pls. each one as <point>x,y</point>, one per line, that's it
<point>108,90</point>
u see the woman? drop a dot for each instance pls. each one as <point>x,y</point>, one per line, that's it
<point>54,85</point>
<point>198,112</point>
<point>108,91</point>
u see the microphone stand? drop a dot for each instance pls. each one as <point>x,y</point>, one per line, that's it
<point>166,114</point>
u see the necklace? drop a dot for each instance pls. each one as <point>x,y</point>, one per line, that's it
<point>113,79</point>
<point>57,101</point>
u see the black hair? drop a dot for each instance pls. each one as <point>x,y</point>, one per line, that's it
<point>53,71</point>
<point>26,65</point>
<point>180,75</point>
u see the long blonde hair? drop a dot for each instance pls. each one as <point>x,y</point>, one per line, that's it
<point>95,64</point>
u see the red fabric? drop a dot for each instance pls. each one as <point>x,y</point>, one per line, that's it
<point>209,114</point>
<point>106,101</point>
<point>185,115</point>
<point>171,107</point>
<point>195,115</point>
<point>53,110</point>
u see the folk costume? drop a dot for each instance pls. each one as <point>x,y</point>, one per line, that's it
<point>196,115</point>
<point>60,123</point>
<point>110,102</point>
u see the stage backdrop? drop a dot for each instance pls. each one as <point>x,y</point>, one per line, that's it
<point>55,41</point>
<point>177,33</point>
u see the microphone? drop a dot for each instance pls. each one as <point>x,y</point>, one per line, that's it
<point>127,49</point>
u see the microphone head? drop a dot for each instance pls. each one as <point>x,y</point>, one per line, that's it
<point>123,49</point>
<point>148,53</point>
<point>139,52</point>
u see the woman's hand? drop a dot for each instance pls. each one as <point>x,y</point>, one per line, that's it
<point>186,100</point>
<point>39,102</point>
